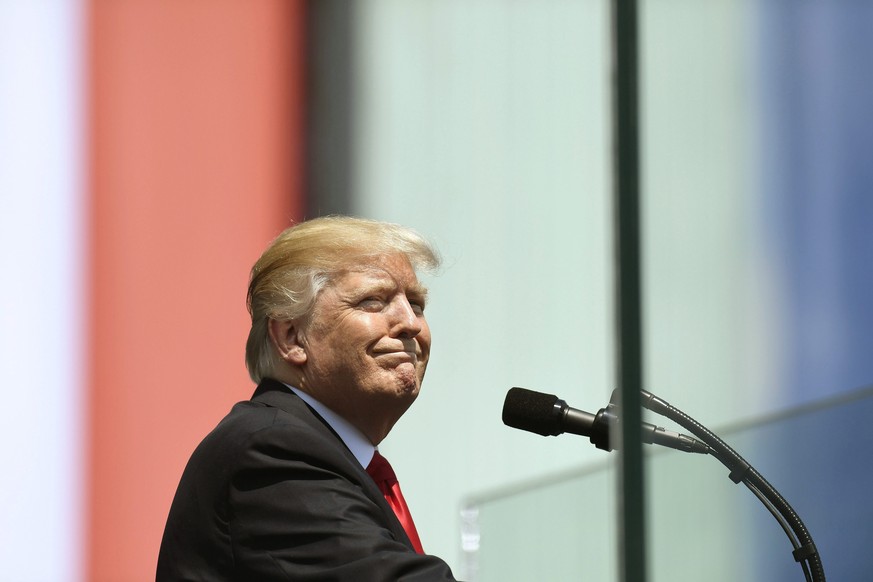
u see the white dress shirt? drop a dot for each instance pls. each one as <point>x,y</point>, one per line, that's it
<point>358,444</point>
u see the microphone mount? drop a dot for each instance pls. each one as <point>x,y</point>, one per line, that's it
<point>548,415</point>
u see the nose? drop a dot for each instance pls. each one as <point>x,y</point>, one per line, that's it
<point>405,322</point>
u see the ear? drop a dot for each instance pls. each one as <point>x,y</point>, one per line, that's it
<point>285,335</point>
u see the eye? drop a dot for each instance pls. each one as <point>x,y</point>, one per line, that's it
<point>372,303</point>
<point>417,306</point>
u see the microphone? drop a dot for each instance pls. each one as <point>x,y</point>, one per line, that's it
<point>548,415</point>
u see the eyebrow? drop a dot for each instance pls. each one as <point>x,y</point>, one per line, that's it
<point>380,283</point>
<point>418,289</point>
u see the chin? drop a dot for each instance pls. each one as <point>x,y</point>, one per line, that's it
<point>406,380</point>
<point>407,389</point>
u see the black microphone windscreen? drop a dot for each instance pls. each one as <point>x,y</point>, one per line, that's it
<point>531,411</point>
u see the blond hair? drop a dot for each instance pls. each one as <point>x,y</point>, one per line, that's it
<point>288,276</point>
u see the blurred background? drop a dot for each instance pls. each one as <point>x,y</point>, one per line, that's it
<point>150,150</point>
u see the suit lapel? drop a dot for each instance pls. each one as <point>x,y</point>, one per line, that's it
<point>274,393</point>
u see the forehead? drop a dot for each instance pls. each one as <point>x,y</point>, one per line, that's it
<point>381,271</point>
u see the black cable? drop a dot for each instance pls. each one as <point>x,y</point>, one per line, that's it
<point>784,524</point>
<point>776,515</point>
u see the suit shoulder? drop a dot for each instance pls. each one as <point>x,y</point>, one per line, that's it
<point>252,424</point>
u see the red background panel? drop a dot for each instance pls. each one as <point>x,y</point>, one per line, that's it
<point>195,165</point>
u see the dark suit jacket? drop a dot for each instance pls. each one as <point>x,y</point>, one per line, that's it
<point>272,493</point>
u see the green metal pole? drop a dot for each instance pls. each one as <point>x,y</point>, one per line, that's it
<point>632,524</point>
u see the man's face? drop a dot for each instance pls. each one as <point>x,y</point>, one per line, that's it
<point>367,344</point>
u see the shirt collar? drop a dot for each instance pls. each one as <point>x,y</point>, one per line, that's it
<point>354,439</point>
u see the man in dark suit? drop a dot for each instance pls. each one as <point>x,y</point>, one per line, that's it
<point>281,489</point>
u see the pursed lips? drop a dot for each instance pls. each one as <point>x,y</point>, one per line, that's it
<point>404,355</point>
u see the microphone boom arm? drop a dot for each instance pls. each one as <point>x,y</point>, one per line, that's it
<point>741,471</point>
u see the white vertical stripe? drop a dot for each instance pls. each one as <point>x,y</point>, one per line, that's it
<point>41,296</point>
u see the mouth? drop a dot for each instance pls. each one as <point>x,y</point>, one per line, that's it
<point>398,357</point>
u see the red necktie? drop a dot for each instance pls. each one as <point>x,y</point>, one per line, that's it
<point>384,476</point>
